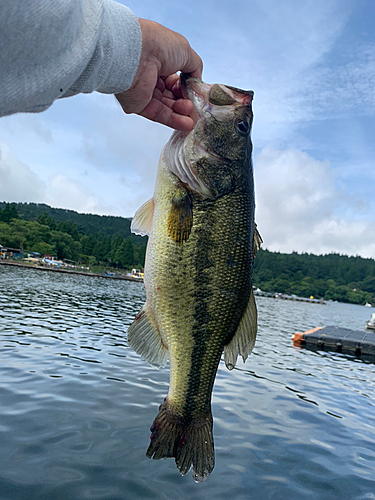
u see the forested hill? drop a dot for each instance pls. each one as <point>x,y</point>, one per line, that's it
<point>107,241</point>
<point>85,238</point>
<point>96,225</point>
<point>331,277</point>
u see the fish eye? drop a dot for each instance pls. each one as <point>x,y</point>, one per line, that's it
<point>243,127</point>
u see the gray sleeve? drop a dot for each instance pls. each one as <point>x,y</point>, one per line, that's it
<point>59,48</point>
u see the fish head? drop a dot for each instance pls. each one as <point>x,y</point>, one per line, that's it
<point>223,117</point>
<point>216,155</point>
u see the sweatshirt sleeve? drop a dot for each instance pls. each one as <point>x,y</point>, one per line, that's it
<point>59,48</point>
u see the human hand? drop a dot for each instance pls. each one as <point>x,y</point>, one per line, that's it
<point>155,92</point>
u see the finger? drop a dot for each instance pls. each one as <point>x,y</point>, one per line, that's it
<point>181,122</point>
<point>167,101</point>
<point>165,96</point>
<point>180,106</point>
<point>136,99</point>
<point>173,84</point>
<point>160,85</point>
<point>171,80</point>
<point>169,95</point>
<point>193,65</point>
<point>183,106</point>
<point>162,90</point>
<point>159,112</point>
<point>157,94</point>
<point>179,56</point>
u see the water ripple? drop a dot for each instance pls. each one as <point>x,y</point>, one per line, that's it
<point>76,403</point>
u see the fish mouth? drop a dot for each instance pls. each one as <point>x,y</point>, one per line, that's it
<point>199,94</point>
<point>197,91</point>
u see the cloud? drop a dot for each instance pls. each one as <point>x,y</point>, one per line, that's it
<point>123,152</point>
<point>312,67</point>
<point>299,207</point>
<point>67,193</point>
<point>335,88</point>
<point>17,181</point>
<point>28,124</point>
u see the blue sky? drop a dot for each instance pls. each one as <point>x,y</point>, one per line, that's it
<point>311,65</point>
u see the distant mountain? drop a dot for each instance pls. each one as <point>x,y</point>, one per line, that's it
<point>86,238</point>
<point>102,238</point>
<point>331,276</point>
<point>99,226</point>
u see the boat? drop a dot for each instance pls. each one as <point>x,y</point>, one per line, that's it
<point>136,273</point>
<point>368,304</point>
<point>370,324</point>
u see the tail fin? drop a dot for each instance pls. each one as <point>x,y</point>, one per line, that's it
<point>190,444</point>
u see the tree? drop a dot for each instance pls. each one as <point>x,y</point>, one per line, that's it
<point>15,233</point>
<point>44,249</point>
<point>66,247</point>
<point>13,212</point>
<point>70,228</point>
<point>124,254</point>
<point>46,220</point>
<point>139,253</point>
<point>9,213</point>
<point>87,244</point>
<point>97,251</point>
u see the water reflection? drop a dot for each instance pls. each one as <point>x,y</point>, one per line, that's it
<point>76,403</point>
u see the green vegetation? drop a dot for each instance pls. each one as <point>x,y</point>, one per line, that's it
<point>106,240</point>
<point>9,212</point>
<point>65,234</point>
<point>97,225</point>
<point>330,277</point>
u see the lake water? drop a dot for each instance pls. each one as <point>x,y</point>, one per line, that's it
<point>76,403</point>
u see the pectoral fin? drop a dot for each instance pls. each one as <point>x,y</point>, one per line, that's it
<point>145,339</point>
<point>142,220</point>
<point>244,339</point>
<point>180,218</point>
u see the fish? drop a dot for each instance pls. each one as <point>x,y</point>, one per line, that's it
<point>198,268</point>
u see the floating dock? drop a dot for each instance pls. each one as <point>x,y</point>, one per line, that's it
<point>336,339</point>
<point>285,296</point>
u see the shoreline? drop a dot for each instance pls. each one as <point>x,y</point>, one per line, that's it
<point>68,271</point>
<point>140,280</point>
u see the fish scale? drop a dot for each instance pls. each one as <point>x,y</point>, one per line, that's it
<point>198,269</point>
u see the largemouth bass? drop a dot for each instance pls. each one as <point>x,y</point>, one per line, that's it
<point>202,238</point>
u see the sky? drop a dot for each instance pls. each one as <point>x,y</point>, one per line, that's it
<point>311,64</point>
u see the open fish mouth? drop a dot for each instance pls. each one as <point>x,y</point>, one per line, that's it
<point>196,90</point>
<point>220,100</point>
<point>198,93</point>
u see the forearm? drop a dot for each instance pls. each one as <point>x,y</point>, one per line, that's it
<point>53,49</point>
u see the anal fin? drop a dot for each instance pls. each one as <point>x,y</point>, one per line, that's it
<point>244,339</point>
<point>145,339</point>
